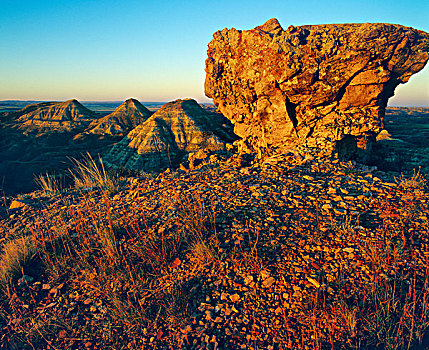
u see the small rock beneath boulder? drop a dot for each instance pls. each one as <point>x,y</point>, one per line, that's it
<point>25,280</point>
<point>269,282</point>
<point>16,204</point>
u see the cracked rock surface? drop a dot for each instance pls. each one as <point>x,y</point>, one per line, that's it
<point>312,84</point>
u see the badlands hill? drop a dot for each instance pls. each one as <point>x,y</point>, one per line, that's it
<point>175,130</point>
<point>53,117</point>
<point>42,138</point>
<point>38,139</point>
<point>123,119</point>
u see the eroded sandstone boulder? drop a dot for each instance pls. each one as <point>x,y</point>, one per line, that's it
<point>318,85</point>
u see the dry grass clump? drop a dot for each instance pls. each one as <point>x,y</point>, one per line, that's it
<point>86,174</point>
<point>16,255</point>
<point>199,228</point>
<point>89,174</point>
<point>50,183</point>
<point>416,182</point>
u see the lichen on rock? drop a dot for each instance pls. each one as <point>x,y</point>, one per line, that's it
<point>314,85</point>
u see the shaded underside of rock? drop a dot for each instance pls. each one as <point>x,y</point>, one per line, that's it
<point>313,84</point>
<point>177,128</point>
<point>55,116</point>
<point>122,120</point>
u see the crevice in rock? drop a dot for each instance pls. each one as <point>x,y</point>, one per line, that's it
<point>311,131</point>
<point>342,89</point>
<point>389,90</point>
<point>303,34</point>
<point>291,112</point>
<point>346,148</point>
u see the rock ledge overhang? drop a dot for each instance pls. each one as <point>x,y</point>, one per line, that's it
<point>312,84</point>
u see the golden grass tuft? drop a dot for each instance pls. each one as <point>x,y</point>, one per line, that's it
<point>17,254</point>
<point>49,183</point>
<point>89,173</point>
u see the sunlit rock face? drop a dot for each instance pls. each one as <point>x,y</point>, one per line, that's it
<point>176,129</point>
<point>315,84</point>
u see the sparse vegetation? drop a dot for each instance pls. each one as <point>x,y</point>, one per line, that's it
<point>17,255</point>
<point>88,174</point>
<point>199,228</point>
<point>245,262</point>
<point>50,183</point>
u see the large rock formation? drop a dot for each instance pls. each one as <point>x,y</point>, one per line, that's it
<point>313,84</point>
<point>55,116</point>
<point>122,120</point>
<point>177,128</point>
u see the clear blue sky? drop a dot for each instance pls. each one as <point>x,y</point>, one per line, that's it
<point>155,50</point>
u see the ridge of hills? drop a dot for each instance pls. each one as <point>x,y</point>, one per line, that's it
<point>43,138</point>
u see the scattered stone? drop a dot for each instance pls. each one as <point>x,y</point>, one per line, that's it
<point>234,298</point>
<point>16,204</point>
<point>269,282</point>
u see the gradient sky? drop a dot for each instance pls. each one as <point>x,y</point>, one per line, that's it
<point>155,50</point>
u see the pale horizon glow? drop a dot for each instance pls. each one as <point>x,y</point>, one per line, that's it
<point>156,50</point>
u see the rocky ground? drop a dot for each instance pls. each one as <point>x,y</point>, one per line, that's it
<point>294,252</point>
